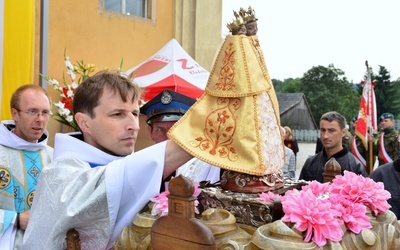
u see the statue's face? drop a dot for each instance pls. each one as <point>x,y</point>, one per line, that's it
<point>251,28</point>
<point>241,31</point>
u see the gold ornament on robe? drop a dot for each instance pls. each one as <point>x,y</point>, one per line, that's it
<point>235,124</point>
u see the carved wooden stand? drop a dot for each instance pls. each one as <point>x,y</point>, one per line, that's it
<point>332,168</point>
<point>179,229</point>
<point>72,239</point>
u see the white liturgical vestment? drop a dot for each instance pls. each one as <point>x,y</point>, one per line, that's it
<point>20,165</point>
<point>91,191</point>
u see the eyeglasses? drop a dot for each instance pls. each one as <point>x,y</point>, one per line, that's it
<point>36,113</point>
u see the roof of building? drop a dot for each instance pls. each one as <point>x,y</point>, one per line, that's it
<point>287,101</point>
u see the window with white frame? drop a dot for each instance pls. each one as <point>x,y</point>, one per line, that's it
<point>139,8</point>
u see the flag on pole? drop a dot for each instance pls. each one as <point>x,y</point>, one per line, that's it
<point>366,121</point>
<point>17,35</point>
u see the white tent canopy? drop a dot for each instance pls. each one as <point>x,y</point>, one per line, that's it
<point>170,68</point>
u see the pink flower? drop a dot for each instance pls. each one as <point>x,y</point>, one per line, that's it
<point>197,190</point>
<point>312,215</point>
<point>196,193</point>
<point>317,188</point>
<point>353,214</point>
<point>378,196</point>
<point>358,189</point>
<point>355,218</point>
<point>320,209</point>
<point>160,204</point>
<point>268,197</point>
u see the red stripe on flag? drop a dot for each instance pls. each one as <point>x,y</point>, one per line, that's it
<point>367,112</point>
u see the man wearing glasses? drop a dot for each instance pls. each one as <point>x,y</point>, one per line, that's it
<point>23,154</point>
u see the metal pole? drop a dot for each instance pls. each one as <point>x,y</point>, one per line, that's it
<point>44,36</point>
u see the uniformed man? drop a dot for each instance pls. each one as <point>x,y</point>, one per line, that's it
<point>353,125</point>
<point>162,112</point>
<point>387,144</point>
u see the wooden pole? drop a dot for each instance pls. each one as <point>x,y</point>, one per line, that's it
<point>370,157</point>
<point>369,121</point>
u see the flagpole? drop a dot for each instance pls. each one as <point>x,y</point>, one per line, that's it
<point>366,121</point>
<point>369,120</point>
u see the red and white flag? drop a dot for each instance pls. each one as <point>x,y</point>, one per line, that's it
<point>366,121</point>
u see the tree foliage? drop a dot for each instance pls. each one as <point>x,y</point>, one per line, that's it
<point>278,85</point>
<point>327,89</point>
<point>289,85</point>
<point>386,93</point>
<point>292,85</point>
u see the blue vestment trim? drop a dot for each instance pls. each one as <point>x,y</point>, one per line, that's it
<point>93,165</point>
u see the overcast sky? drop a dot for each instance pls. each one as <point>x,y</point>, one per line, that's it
<point>296,35</point>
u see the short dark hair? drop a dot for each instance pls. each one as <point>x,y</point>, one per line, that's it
<point>334,116</point>
<point>16,96</point>
<point>89,92</point>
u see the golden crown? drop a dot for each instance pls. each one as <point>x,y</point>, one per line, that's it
<point>249,15</point>
<point>236,23</point>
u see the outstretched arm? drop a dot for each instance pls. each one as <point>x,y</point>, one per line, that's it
<point>174,158</point>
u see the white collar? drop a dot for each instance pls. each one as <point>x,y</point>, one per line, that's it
<point>69,145</point>
<point>9,139</point>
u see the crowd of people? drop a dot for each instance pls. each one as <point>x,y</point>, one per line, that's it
<point>93,180</point>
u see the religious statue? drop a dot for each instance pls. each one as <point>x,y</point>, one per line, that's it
<point>235,124</point>
<point>237,26</point>
<point>250,19</point>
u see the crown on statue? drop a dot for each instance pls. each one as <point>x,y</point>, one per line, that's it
<point>236,23</point>
<point>249,15</point>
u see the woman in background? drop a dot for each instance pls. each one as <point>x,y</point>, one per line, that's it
<point>290,141</point>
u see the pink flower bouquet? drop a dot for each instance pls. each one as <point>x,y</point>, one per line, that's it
<point>320,209</point>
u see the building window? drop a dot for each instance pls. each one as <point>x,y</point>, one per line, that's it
<point>139,8</point>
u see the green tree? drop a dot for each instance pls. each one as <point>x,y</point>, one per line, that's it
<point>327,89</point>
<point>396,101</point>
<point>386,93</point>
<point>289,85</point>
<point>278,85</point>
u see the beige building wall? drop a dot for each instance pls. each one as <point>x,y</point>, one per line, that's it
<point>86,31</point>
<point>198,28</point>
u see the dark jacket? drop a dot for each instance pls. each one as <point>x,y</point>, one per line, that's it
<point>389,174</point>
<point>314,165</point>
